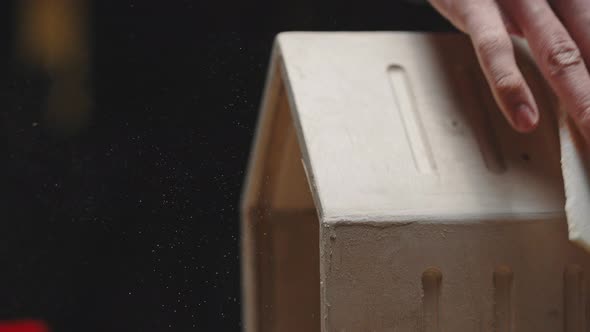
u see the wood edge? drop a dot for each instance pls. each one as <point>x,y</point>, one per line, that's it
<point>250,190</point>
<point>299,131</point>
<point>261,137</point>
<point>573,164</point>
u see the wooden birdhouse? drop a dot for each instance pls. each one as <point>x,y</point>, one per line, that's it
<point>386,192</point>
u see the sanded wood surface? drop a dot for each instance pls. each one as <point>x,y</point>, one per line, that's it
<point>431,212</point>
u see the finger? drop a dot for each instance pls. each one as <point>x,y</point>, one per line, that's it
<point>449,11</point>
<point>511,27</point>
<point>575,15</point>
<point>558,56</point>
<point>496,55</point>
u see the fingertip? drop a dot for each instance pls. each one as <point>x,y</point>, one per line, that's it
<point>513,30</point>
<point>525,118</point>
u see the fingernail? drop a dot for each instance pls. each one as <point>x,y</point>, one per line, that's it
<point>525,118</point>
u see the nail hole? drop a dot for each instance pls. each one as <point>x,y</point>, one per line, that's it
<point>573,289</point>
<point>431,286</point>
<point>454,123</point>
<point>525,156</point>
<point>432,276</point>
<point>503,309</point>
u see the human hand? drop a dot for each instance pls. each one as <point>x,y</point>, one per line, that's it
<point>558,33</point>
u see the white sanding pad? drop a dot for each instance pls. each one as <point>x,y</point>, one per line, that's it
<point>577,184</point>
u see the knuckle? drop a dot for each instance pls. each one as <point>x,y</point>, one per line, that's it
<point>463,11</point>
<point>561,56</point>
<point>582,114</point>
<point>584,18</point>
<point>491,43</point>
<point>584,121</point>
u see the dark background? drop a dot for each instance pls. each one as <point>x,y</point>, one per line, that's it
<point>132,225</point>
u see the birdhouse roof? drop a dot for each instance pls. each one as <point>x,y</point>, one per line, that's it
<point>400,127</point>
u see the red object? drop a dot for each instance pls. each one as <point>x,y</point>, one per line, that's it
<point>24,326</point>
